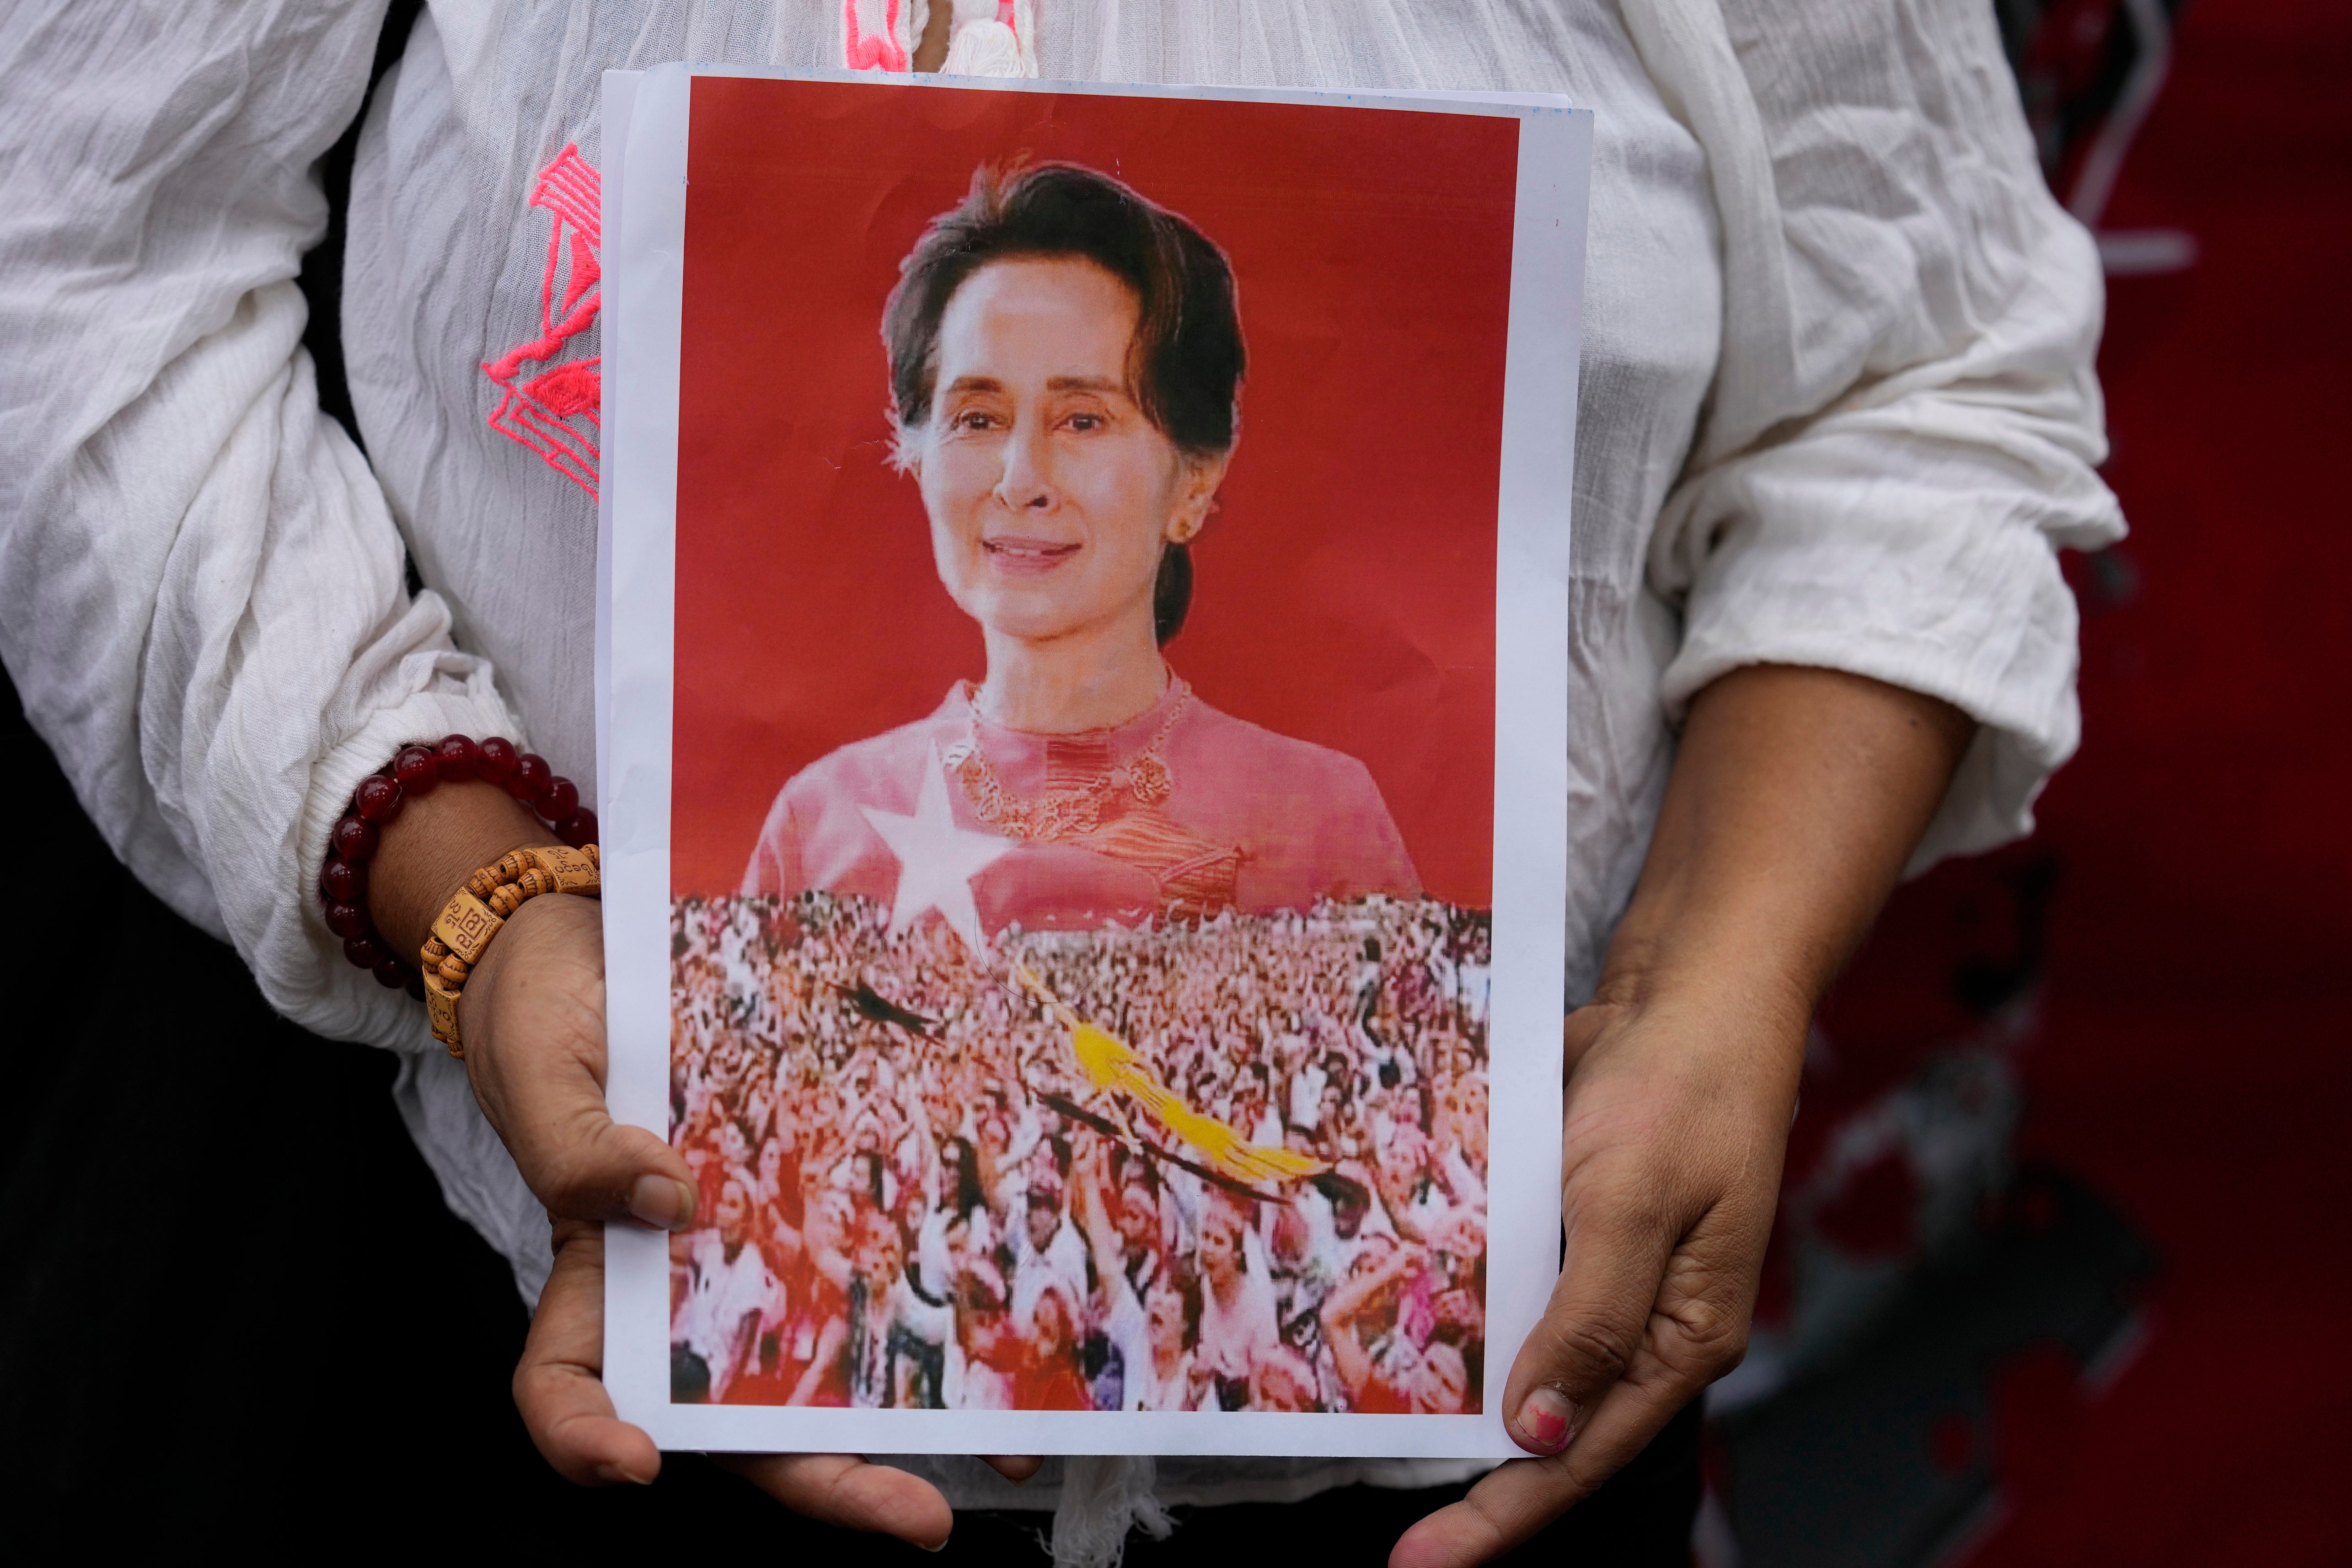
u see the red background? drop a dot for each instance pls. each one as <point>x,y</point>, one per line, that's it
<point>2191,1064</point>
<point>1344,594</point>
<point>2195,1067</point>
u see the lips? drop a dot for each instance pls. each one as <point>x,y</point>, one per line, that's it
<point>1027,557</point>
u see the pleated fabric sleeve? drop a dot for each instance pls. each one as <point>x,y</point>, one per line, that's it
<point>201,592</point>
<point>1905,424</point>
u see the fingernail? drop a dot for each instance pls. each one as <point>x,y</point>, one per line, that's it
<point>1544,1417</point>
<point>941,1546</point>
<point>616,1473</point>
<point>664,1204</point>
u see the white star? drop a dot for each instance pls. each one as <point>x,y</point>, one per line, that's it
<point>937,860</point>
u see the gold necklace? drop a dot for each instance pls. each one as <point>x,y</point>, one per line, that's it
<point>1067,813</point>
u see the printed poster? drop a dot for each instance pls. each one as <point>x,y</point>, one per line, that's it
<point>1086,757</point>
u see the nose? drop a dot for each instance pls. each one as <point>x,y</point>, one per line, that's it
<point>1026,485</point>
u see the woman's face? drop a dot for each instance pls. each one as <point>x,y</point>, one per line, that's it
<point>1138,1217</point>
<point>1165,1307</point>
<point>1044,1221</point>
<point>1221,1243</point>
<point>1470,1122</point>
<point>1051,495</point>
<point>878,1253</point>
<point>1443,1386</point>
<point>734,1214</point>
<point>1052,1333</point>
<point>1284,1382</point>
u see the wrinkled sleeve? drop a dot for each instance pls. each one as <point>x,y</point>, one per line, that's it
<point>201,592</point>
<point>1906,424</point>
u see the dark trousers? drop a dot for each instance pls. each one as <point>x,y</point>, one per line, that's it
<point>1639,1519</point>
<point>234,1315</point>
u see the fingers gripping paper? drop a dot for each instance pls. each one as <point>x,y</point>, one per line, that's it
<point>1083,681</point>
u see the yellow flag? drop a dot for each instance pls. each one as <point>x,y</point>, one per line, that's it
<point>1110,1063</point>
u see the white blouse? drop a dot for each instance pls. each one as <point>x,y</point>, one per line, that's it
<point>1838,409</point>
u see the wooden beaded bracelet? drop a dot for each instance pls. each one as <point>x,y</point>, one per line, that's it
<point>418,769</point>
<point>480,910</point>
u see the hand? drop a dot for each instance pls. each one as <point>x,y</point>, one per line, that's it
<point>533,1020</point>
<point>1796,796</point>
<point>559,1389</point>
<point>1674,1137</point>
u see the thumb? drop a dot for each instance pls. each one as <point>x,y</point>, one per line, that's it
<point>597,1168</point>
<point>558,1385</point>
<point>533,1019</point>
<point>1593,1328</point>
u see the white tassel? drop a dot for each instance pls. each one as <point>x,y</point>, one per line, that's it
<point>986,49</point>
<point>1103,1497</point>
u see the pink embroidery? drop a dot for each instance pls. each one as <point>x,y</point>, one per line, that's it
<point>890,48</point>
<point>555,413</point>
<point>879,52</point>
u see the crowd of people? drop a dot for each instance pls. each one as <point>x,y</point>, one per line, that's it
<point>910,1193</point>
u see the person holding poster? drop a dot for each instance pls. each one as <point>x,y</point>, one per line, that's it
<point>1837,418</point>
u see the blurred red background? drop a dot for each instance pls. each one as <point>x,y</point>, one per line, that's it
<point>2191,1049</point>
<point>1344,593</point>
<point>2198,1050</point>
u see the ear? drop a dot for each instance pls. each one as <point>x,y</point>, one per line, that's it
<point>1196,495</point>
<point>906,447</point>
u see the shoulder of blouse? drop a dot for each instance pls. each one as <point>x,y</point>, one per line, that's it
<point>1880,198</point>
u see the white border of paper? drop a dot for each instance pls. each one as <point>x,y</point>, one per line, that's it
<point>645,150</point>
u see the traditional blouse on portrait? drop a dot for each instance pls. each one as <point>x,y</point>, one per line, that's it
<point>1182,810</point>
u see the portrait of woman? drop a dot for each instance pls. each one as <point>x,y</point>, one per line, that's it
<point>1066,361</point>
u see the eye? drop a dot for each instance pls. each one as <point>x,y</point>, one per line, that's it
<point>973,418</point>
<point>1086,420</point>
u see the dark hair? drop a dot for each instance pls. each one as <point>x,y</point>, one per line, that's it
<point>873,1173</point>
<point>967,1196</point>
<point>1188,358</point>
<point>1128,1168</point>
<point>1185,1280</point>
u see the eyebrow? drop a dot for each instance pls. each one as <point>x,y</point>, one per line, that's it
<point>1053,384</point>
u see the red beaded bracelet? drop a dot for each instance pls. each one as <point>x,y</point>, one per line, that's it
<point>416,771</point>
